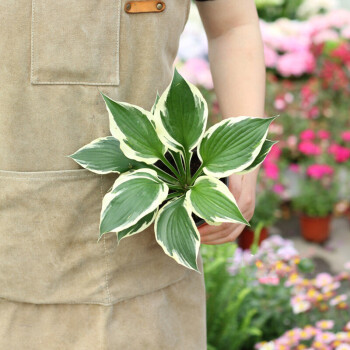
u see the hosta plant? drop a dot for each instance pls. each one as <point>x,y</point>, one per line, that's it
<point>144,193</point>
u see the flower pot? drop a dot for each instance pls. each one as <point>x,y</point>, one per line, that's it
<point>315,229</point>
<point>246,238</point>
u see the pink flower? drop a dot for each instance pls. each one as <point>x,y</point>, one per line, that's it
<point>325,324</point>
<point>317,171</point>
<point>323,134</point>
<point>271,170</point>
<point>294,167</point>
<point>278,188</point>
<point>341,154</point>
<point>197,71</point>
<point>345,135</point>
<point>338,299</point>
<point>296,63</point>
<point>274,154</point>
<point>325,337</point>
<point>280,103</point>
<point>309,148</point>
<point>292,141</point>
<point>271,57</point>
<point>323,279</point>
<point>270,280</point>
<point>313,112</point>
<point>307,135</point>
<point>330,287</point>
<point>343,347</point>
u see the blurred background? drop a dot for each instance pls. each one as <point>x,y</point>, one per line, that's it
<point>285,283</point>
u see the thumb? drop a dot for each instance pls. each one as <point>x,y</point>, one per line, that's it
<point>235,182</point>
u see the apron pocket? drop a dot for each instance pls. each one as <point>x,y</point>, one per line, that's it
<point>49,226</point>
<point>75,42</point>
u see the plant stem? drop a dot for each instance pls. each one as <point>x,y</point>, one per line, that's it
<point>187,156</point>
<point>175,187</point>
<point>257,232</point>
<point>172,195</point>
<point>163,174</point>
<point>170,167</point>
<point>178,161</point>
<point>197,173</point>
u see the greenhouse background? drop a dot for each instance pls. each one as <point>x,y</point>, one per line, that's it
<point>285,284</point>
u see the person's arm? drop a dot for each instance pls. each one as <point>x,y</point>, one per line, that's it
<point>236,57</point>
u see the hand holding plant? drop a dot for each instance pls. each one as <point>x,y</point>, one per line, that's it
<point>144,193</point>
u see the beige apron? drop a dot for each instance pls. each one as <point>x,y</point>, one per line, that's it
<point>59,288</point>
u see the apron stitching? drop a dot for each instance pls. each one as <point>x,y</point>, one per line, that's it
<point>106,253</point>
<point>118,43</point>
<point>32,42</point>
<point>33,81</point>
<point>46,178</point>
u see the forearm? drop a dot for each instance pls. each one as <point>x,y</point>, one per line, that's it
<point>238,69</point>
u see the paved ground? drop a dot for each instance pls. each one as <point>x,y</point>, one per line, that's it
<point>329,256</point>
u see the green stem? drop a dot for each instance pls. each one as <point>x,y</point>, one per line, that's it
<point>170,167</point>
<point>163,174</point>
<point>172,195</point>
<point>197,173</point>
<point>175,187</point>
<point>257,233</point>
<point>187,155</point>
<point>177,158</point>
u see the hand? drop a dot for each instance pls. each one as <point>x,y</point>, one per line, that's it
<point>243,189</point>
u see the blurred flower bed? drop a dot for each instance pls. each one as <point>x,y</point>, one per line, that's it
<point>271,300</point>
<point>308,86</point>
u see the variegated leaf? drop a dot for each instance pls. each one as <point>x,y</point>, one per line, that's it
<point>155,103</point>
<point>265,149</point>
<point>181,114</point>
<point>103,156</point>
<point>141,225</point>
<point>133,195</point>
<point>176,232</point>
<point>133,127</point>
<point>211,200</point>
<point>231,145</point>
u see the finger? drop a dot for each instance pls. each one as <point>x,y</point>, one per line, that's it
<point>235,185</point>
<point>217,235</point>
<point>229,238</point>
<point>210,229</point>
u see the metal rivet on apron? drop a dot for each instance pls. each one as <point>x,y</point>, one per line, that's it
<point>159,6</point>
<point>128,6</point>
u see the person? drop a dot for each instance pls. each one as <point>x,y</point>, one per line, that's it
<point>59,288</point>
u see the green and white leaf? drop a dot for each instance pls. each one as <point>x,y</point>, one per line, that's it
<point>133,195</point>
<point>181,114</point>
<point>210,199</point>
<point>231,145</point>
<point>103,155</point>
<point>176,232</point>
<point>141,225</point>
<point>133,127</point>
<point>155,103</point>
<point>265,149</point>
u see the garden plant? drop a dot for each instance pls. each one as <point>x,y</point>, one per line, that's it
<point>143,193</point>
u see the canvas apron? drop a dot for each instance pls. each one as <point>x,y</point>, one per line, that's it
<point>59,288</point>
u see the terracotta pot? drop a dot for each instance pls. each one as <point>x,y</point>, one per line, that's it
<point>246,238</point>
<point>315,229</point>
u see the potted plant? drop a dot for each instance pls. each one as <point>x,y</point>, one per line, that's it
<point>267,204</point>
<point>143,193</point>
<point>316,201</point>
